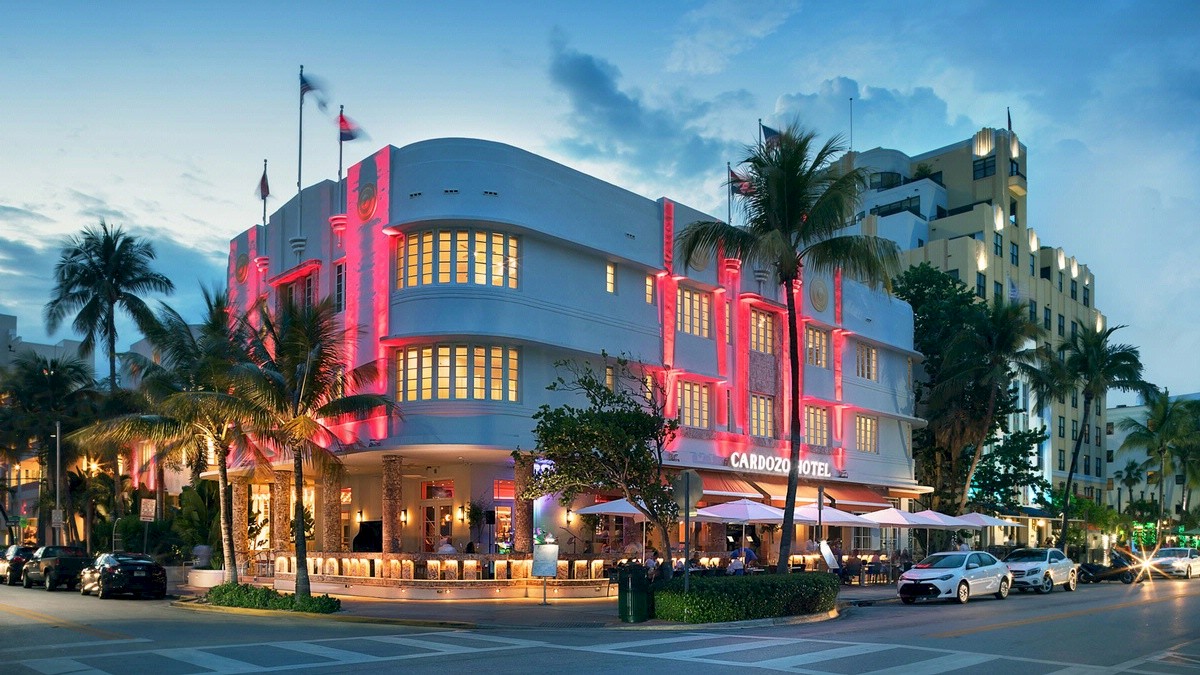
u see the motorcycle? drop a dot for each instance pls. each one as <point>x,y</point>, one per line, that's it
<point>1122,567</point>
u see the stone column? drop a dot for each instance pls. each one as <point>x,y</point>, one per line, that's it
<point>281,511</point>
<point>241,518</point>
<point>393,502</point>
<point>331,510</point>
<point>522,508</point>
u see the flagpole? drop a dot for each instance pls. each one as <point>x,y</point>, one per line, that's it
<point>851,123</point>
<point>760,131</point>
<point>341,189</point>
<point>729,194</point>
<point>300,161</point>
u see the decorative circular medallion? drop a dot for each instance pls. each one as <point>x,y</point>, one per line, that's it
<point>240,266</point>
<point>366,201</point>
<point>818,294</point>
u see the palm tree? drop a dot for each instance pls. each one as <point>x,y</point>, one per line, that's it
<point>1165,433</point>
<point>979,378</point>
<point>1089,362</point>
<point>100,271</point>
<point>798,203</point>
<point>295,387</point>
<point>1130,477</point>
<point>193,411</point>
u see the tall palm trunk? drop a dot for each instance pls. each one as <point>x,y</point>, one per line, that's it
<point>303,587</point>
<point>783,566</point>
<point>1162,500</point>
<point>1087,411</point>
<point>160,490</point>
<point>226,514</point>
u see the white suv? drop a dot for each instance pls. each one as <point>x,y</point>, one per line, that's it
<point>1041,569</point>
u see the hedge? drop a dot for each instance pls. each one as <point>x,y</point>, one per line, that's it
<point>737,598</point>
<point>258,597</point>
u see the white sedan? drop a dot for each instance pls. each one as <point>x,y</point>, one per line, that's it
<point>1041,569</point>
<point>955,576</point>
<point>1177,562</point>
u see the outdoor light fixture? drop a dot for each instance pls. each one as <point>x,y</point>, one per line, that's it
<point>461,514</point>
<point>360,515</point>
<point>568,516</point>
<point>403,517</point>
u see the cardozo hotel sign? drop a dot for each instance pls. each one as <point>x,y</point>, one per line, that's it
<point>781,465</point>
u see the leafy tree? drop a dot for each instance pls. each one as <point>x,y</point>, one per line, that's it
<point>1130,477</point>
<point>798,203</point>
<point>615,442</point>
<point>1165,424</point>
<point>294,387</point>
<point>1090,362</point>
<point>1007,470</point>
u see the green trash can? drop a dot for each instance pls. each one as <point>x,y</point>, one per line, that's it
<point>633,594</point>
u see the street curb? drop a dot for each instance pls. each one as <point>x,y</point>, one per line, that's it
<point>192,604</point>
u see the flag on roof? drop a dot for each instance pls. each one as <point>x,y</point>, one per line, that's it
<point>739,183</point>
<point>769,135</point>
<point>310,85</point>
<point>347,129</point>
<point>263,190</point>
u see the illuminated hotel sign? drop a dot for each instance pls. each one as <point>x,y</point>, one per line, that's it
<point>781,465</point>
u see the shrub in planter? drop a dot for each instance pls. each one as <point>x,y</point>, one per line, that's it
<point>717,599</point>
<point>258,597</point>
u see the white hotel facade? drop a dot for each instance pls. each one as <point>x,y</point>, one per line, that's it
<point>470,267</point>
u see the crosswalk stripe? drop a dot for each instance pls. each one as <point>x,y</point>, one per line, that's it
<point>814,657</point>
<point>339,655</point>
<point>723,649</point>
<point>59,666</point>
<point>617,646</point>
<point>444,647</point>
<point>941,664</point>
<point>208,660</point>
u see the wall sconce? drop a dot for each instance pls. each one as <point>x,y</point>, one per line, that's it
<point>403,517</point>
<point>568,516</point>
<point>461,514</point>
<point>360,515</point>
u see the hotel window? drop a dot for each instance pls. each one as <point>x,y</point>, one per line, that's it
<point>1046,318</point>
<point>1074,429</point>
<point>1087,465</point>
<point>693,405</point>
<point>461,256</point>
<point>610,278</point>
<point>1060,282</point>
<point>982,168</point>
<point>1014,169</point>
<point>866,433</point>
<point>816,431</point>
<point>816,346</point>
<point>301,292</point>
<point>1062,325</point>
<point>1074,289</point>
<point>457,372</point>
<point>1014,254</point>
<point>1062,459</point>
<point>868,362</point>
<point>1098,436</point>
<point>980,285</point>
<point>762,331</point>
<point>1087,435</point>
<point>1062,427</point>
<point>1087,297</point>
<point>1032,265</point>
<point>610,379</point>
<point>649,289</point>
<point>339,287</point>
<point>998,244</point>
<point>1075,399</point>
<point>1033,311</point>
<point>998,291</point>
<point>762,416</point>
<point>1074,328</point>
<point>692,312</point>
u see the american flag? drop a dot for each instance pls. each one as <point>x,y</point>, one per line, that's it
<point>770,135</point>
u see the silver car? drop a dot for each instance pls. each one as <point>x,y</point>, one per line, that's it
<point>1041,569</point>
<point>1176,562</point>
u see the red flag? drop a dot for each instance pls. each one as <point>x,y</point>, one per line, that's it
<point>263,190</point>
<point>347,129</point>
<point>740,183</point>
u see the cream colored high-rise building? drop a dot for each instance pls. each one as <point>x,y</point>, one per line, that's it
<point>962,209</point>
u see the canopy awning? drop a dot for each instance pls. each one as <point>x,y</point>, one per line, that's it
<point>848,496</point>
<point>717,484</point>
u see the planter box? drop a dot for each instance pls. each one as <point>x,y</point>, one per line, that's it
<point>205,578</point>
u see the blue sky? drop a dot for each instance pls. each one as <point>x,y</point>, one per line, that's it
<point>157,116</point>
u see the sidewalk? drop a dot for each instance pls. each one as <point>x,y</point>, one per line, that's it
<point>531,613</point>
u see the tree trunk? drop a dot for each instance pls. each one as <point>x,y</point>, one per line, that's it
<point>1162,503</point>
<point>666,569</point>
<point>87,524</point>
<point>303,587</point>
<point>979,442</point>
<point>1087,411</point>
<point>226,515</point>
<point>789,509</point>
<point>160,489</point>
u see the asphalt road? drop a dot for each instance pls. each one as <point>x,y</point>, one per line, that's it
<point>1110,628</point>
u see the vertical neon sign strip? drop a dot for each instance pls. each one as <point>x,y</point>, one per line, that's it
<point>667,287</point>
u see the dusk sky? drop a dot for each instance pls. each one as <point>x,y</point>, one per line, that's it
<point>157,116</point>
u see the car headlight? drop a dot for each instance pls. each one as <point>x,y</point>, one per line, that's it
<point>1033,571</point>
<point>945,577</point>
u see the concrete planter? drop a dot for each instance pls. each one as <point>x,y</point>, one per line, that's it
<point>205,578</point>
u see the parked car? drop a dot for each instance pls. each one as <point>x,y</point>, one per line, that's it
<point>120,572</point>
<point>12,563</point>
<point>1041,569</point>
<point>53,566</point>
<point>955,576</point>
<point>1175,562</point>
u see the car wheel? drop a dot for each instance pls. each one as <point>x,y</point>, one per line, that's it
<point>25,582</point>
<point>1126,577</point>
<point>1003,592</point>
<point>12,578</point>
<point>50,582</point>
<point>83,590</point>
<point>1072,583</point>
<point>964,593</point>
<point>101,592</point>
<point>1047,585</point>
<point>908,601</point>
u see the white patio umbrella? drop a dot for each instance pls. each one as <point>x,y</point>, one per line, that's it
<point>830,516</point>
<point>742,511</point>
<point>618,507</point>
<point>984,520</point>
<point>894,517</point>
<point>945,522</point>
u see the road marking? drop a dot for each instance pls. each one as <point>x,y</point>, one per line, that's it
<point>723,649</point>
<point>62,667</point>
<point>72,645</point>
<point>62,623</point>
<point>941,664</point>
<point>1055,617</point>
<point>209,661</point>
<point>443,647</point>
<point>788,662</point>
<point>331,653</point>
<point>619,646</point>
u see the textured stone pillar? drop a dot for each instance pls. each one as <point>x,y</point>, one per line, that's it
<point>281,511</point>
<point>522,508</point>
<point>241,519</point>
<point>330,532</point>
<point>393,502</point>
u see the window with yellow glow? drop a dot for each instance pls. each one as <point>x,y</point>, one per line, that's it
<point>866,433</point>
<point>458,256</point>
<point>610,278</point>
<point>692,312</point>
<point>693,405</point>
<point>816,347</point>
<point>868,362</point>
<point>762,416</point>
<point>649,289</point>
<point>762,331</point>
<point>816,431</point>
<point>457,372</point>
